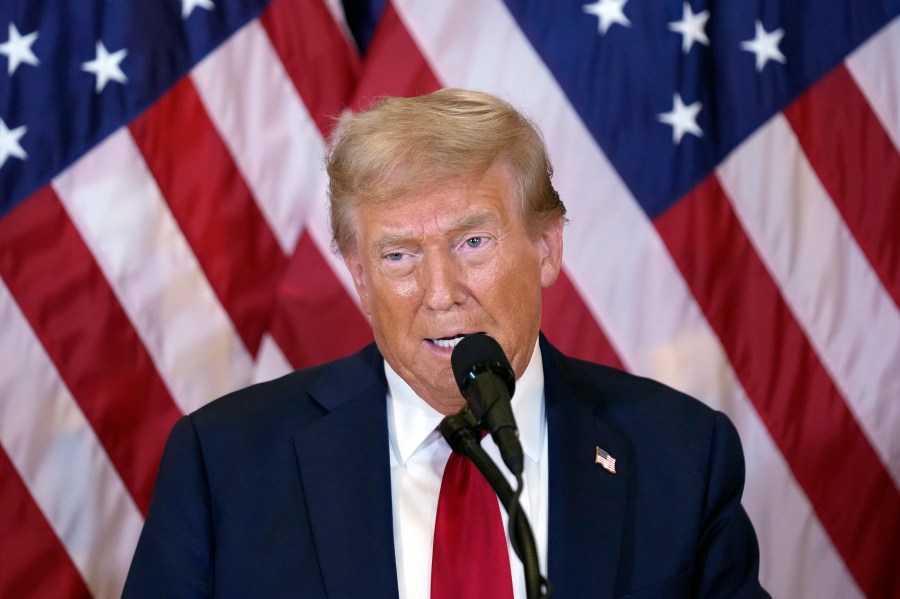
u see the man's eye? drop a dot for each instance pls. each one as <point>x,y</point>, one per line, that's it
<point>394,256</point>
<point>474,242</point>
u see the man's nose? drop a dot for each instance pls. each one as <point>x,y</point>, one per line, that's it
<point>440,280</point>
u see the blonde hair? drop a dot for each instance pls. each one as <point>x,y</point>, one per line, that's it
<point>412,145</point>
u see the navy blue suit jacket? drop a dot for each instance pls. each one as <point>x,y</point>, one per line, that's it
<point>283,490</point>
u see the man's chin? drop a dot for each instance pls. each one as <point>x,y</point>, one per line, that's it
<point>435,384</point>
<point>451,407</point>
<point>446,399</point>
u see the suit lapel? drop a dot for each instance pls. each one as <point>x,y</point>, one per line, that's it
<point>344,467</point>
<point>587,502</point>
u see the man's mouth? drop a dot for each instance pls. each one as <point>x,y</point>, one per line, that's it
<point>449,342</point>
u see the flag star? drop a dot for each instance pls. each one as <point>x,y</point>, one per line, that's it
<point>608,13</point>
<point>765,45</point>
<point>683,119</point>
<point>188,6</point>
<point>692,27</point>
<point>18,49</point>
<point>9,143</point>
<point>106,67</point>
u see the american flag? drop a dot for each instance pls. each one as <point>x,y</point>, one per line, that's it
<point>602,457</point>
<point>731,169</point>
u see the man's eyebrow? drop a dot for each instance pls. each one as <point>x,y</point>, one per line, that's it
<point>390,239</point>
<point>473,221</point>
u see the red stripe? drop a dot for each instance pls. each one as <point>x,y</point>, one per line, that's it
<point>213,206</point>
<point>858,166</point>
<point>830,456</point>
<point>34,563</point>
<point>315,320</point>
<point>73,311</point>
<point>394,64</point>
<point>316,55</point>
<point>569,324</point>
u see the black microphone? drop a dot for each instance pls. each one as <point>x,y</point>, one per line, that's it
<point>487,381</point>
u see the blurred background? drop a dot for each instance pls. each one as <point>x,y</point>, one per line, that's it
<point>731,170</point>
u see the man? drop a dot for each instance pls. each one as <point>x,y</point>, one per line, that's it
<point>325,482</point>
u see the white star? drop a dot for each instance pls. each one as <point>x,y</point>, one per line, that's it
<point>9,142</point>
<point>18,49</point>
<point>188,6</point>
<point>609,12</point>
<point>683,119</point>
<point>106,67</point>
<point>765,46</point>
<point>692,27</point>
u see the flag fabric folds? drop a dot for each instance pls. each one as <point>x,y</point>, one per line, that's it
<point>731,170</point>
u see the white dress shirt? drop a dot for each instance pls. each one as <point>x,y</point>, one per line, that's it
<point>418,456</point>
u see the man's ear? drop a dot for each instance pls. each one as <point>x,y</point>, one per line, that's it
<point>357,272</point>
<point>550,246</point>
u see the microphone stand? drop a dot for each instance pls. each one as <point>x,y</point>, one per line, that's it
<point>461,432</point>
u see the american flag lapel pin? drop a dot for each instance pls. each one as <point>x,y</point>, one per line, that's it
<point>605,460</point>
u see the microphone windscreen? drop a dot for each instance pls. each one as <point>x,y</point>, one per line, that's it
<point>480,353</point>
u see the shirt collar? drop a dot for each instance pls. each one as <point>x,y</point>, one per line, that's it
<point>412,423</point>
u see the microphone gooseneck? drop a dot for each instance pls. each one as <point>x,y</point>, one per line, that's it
<point>487,381</point>
<point>463,435</point>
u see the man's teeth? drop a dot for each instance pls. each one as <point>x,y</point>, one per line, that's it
<point>448,343</point>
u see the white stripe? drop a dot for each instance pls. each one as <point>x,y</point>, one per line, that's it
<point>276,146</point>
<point>336,8</point>
<point>614,255</point>
<point>837,299</point>
<point>876,68</point>
<point>61,461</point>
<point>797,559</point>
<point>124,220</point>
<point>267,128</point>
<point>270,362</point>
<point>319,230</point>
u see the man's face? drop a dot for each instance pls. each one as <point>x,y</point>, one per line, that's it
<point>432,267</point>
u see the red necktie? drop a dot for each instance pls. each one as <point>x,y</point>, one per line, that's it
<point>470,558</point>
